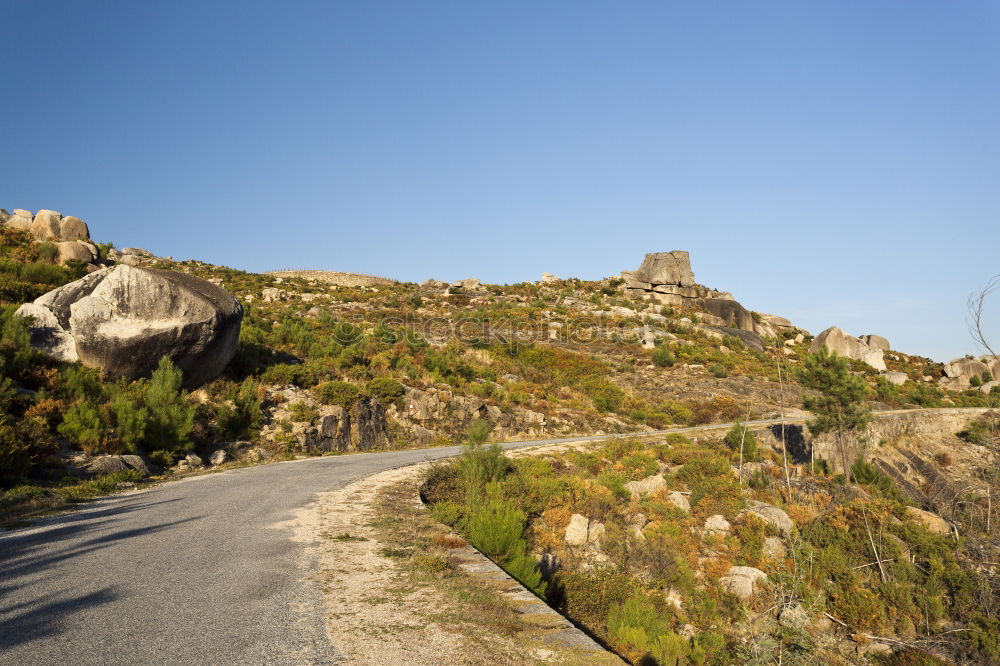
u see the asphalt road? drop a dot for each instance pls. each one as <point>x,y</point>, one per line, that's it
<point>188,572</point>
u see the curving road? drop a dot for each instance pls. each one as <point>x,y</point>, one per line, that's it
<point>190,572</point>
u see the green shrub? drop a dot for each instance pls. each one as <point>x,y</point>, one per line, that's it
<point>975,381</point>
<point>171,417</point>
<point>718,371</point>
<point>162,457</point>
<point>240,414</point>
<point>449,513</point>
<point>24,444</point>
<point>739,435</point>
<point>663,357</point>
<point>83,425</point>
<point>339,393</point>
<point>302,412</point>
<point>129,417</point>
<point>385,389</point>
<point>46,274</point>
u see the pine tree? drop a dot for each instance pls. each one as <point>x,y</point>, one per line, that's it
<point>171,417</point>
<point>841,407</point>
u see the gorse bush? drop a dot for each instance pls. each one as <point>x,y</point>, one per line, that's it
<point>741,439</point>
<point>663,357</point>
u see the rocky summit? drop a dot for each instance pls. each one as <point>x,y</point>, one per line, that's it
<point>123,319</point>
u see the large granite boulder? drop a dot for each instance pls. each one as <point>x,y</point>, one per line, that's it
<point>666,268</point>
<point>75,250</point>
<point>73,229</point>
<point>848,346</point>
<point>21,219</point>
<point>124,319</point>
<point>45,226</point>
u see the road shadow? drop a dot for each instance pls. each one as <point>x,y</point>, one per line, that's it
<point>47,618</point>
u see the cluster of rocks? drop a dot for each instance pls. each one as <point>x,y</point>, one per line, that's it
<point>962,374</point>
<point>666,278</point>
<point>869,349</point>
<point>424,413</point>
<point>359,427</point>
<point>124,319</point>
<point>69,234</point>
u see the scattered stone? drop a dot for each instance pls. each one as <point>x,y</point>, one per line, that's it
<point>774,548</point>
<point>793,617</point>
<point>124,319</point>
<point>717,524</point>
<point>740,581</point>
<point>576,531</point>
<point>772,515</point>
<point>933,522</point>
<point>895,378</point>
<point>648,485</point>
<point>680,501</point>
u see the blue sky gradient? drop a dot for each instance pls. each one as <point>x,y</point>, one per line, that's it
<point>832,162</point>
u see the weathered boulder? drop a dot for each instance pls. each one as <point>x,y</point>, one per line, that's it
<point>666,268</point>
<point>4,216</point>
<point>835,340</point>
<point>931,521</point>
<point>793,617</point>
<point>680,501</point>
<point>21,219</point>
<point>549,278</point>
<point>988,387</point>
<point>218,457</point>
<point>101,465</point>
<point>648,485</point>
<point>73,228</point>
<point>75,250</point>
<point>137,252</point>
<point>771,515</point>
<point>717,524</point>
<point>775,548</point>
<point>875,342</point>
<point>124,319</point>
<point>45,226</point>
<point>576,531</point>
<point>896,378</point>
<point>741,581</point>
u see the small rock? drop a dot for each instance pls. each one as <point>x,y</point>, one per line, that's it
<point>794,617</point>
<point>218,457</point>
<point>775,549</point>
<point>717,524</point>
<point>647,485</point>
<point>594,532</point>
<point>896,378</point>
<point>772,515</point>
<point>933,522</point>
<point>740,581</point>
<point>194,460</point>
<point>741,586</point>
<point>576,531</point>
<point>680,501</point>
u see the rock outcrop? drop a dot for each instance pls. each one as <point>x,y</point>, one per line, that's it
<point>666,278</point>
<point>70,234</point>
<point>960,373</point>
<point>848,346</point>
<point>124,319</point>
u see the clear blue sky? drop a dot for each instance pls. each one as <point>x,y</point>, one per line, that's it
<point>833,162</point>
